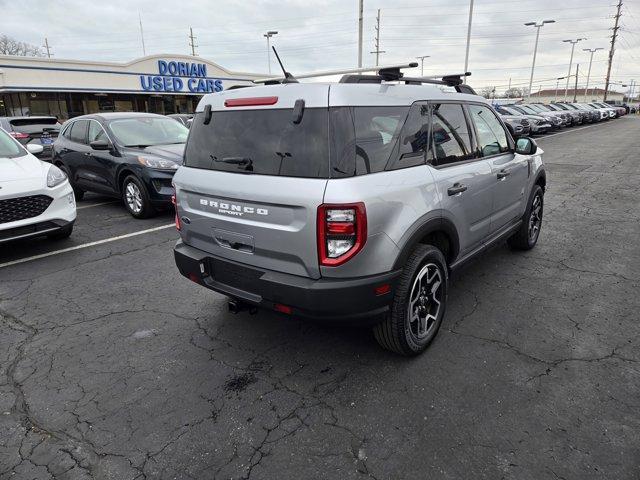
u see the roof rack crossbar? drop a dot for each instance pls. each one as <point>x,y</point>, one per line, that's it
<point>342,71</point>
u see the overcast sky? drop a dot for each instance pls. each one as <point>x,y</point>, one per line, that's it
<point>320,35</point>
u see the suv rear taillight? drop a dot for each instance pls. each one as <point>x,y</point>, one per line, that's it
<point>19,135</point>
<point>342,232</point>
<point>175,207</point>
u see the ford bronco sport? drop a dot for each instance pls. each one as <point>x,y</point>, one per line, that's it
<point>351,201</point>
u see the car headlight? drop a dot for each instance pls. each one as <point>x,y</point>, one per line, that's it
<point>155,162</point>
<point>55,176</point>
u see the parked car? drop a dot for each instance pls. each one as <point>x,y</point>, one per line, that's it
<point>602,114</point>
<point>538,124</point>
<point>35,197</point>
<point>565,117</point>
<point>184,118</point>
<point>612,112</point>
<point>593,115</point>
<point>35,130</point>
<point>585,117</point>
<point>557,119</point>
<point>617,105</point>
<point>518,126</point>
<point>128,155</point>
<point>349,201</point>
<point>576,117</point>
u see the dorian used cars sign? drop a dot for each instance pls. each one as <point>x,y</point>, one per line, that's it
<point>174,76</point>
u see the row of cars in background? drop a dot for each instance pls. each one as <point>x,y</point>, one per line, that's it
<point>525,119</point>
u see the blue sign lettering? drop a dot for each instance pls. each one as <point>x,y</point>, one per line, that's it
<point>168,78</point>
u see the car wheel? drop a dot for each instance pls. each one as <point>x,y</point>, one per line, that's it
<point>78,193</point>
<point>136,198</point>
<point>527,235</point>
<point>61,234</point>
<point>418,304</point>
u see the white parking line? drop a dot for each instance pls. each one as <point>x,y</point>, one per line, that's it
<point>96,204</point>
<point>85,245</point>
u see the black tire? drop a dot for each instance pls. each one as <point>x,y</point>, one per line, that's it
<point>61,234</point>
<point>78,193</point>
<point>526,237</point>
<point>145,209</point>
<point>397,332</point>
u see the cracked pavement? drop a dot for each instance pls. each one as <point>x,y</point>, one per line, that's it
<point>113,366</point>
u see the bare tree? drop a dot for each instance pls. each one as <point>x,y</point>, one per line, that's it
<point>11,46</point>
<point>487,92</point>
<point>514,93</point>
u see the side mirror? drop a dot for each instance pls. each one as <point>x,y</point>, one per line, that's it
<point>100,145</point>
<point>526,146</point>
<point>34,148</point>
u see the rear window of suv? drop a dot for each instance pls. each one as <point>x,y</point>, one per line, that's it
<point>327,143</point>
<point>264,142</point>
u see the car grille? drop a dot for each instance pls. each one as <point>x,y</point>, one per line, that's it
<point>14,209</point>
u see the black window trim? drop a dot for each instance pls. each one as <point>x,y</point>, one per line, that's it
<point>395,156</point>
<point>471,128</point>
<point>103,129</point>
<point>508,135</point>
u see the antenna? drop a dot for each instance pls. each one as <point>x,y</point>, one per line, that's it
<point>288,78</point>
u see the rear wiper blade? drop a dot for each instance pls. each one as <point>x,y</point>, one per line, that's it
<point>242,162</point>
<point>137,146</point>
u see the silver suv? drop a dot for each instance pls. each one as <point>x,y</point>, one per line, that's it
<point>351,201</point>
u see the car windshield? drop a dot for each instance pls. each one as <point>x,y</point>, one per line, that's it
<point>512,110</point>
<point>148,131</point>
<point>528,109</point>
<point>9,148</point>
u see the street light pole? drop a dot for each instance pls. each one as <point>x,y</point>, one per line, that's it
<point>538,25</point>
<point>422,63</point>
<point>466,55</point>
<point>573,46</point>
<point>557,85</point>
<point>268,35</point>
<point>592,50</point>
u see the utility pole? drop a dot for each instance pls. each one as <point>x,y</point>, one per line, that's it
<point>360,10</point>
<point>575,89</point>
<point>422,63</point>
<point>573,46</point>
<point>592,50</point>
<point>377,51</point>
<point>192,42</point>
<point>466,55</point>
<point>557,85</point>
<point>144,50</point>
<point>612,50</point>
<point>538,26</point>
<point>47,47</point>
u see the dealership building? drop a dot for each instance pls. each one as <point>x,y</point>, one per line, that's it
<point>67,88</point>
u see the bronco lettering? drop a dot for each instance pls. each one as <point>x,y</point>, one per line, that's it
<point>231,208</point>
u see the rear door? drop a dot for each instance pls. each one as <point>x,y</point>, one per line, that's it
<point>464,182</point>
<point>254,177</point>
<point>76,152</point>
<point>510,170</point>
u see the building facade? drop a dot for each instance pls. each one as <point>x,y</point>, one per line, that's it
<point>591,95</point>
<point>67,88</point>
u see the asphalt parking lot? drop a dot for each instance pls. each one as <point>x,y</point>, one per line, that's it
<point>114,366</point>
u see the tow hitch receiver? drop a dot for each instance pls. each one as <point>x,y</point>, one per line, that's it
<point>237,306</point>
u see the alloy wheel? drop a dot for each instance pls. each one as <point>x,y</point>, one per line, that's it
<point>425,300</point>
<point>535,218</point>
<point>133,197</point>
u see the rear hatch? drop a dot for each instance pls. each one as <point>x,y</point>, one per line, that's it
<point>38,130</point>
<point>254,175</point>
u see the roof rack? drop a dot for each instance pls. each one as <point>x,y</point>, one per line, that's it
<point>389,73</point>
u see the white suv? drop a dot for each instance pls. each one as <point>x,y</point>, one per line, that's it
<point>35,197</point>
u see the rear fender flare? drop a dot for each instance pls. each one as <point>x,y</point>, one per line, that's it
<point>415,236</point>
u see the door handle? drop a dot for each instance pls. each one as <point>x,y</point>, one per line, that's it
<point>502,174</point>
<point>456,189</point>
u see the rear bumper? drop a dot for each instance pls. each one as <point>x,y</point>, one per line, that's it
<point>352,301</point>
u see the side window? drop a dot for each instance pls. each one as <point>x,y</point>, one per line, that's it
<point>67,131</point>
<point>492,139</point>
<point>96,132</point>
<point>363,138</point>
<point>414,138</point>
<point>79,131</point>
<point>451,139</point>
